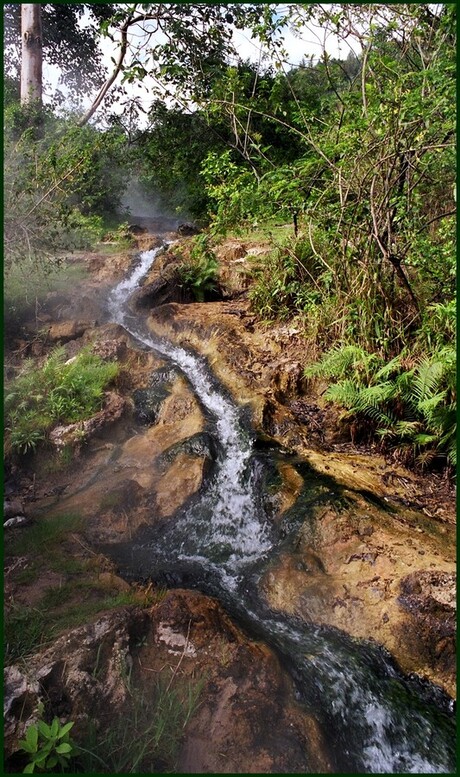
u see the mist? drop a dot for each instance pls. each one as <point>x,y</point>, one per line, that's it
<point>145,208</point>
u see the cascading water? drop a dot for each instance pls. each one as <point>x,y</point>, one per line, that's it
<point>378,721</point>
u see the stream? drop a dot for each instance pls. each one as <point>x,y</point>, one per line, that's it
<point>376,720</point>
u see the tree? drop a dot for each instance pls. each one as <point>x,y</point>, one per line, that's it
<point>32,54</point>
<point>198,40</point>
<point>65,42</point>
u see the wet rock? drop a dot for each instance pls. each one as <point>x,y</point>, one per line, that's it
<point>179,482</point>
<point>429,598</point>
<point>161,291</point>
<point>200,444</point>
<point>348,568</point>
<point>246,720</point>
<point>148,401</point>
<point>124,486</point>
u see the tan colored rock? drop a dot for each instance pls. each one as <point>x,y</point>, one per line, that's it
<point>113,582</point>
<point>292,486</point>
<point>139,486</point>
<point>183,478</point>
<point>350,570</point>
<point>69,330</point>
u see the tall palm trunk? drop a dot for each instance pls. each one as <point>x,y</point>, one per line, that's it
<point>32,54</point>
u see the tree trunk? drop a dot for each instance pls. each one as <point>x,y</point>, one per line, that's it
<point>32,54</point>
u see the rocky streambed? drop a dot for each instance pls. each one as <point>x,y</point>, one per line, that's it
<point>361,548</point>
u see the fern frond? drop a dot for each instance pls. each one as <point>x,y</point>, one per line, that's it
<point>388,369</point>
<point>425,439</point>
<point>345,393</point>
<point>425,458</point>
<point>429,406</point>
<point>408,430</point>
<point>452,454</point>
<point>339,361</point>
<point>427,379</point>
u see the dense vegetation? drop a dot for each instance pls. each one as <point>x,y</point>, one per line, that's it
<point>357,154</point>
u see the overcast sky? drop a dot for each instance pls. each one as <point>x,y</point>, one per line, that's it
<point>308,42</point>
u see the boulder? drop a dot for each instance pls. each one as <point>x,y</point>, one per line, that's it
<point>64,331</point>
<point>187,229</point>
<point>136,229</point>
<point>12,508</point>
<point>245,720</point>
<point>75,434</point>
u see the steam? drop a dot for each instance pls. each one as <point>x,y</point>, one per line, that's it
<point>143,207</point>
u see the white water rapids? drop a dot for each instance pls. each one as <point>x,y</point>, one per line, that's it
<point>227,517</point>
<point>374,719</point>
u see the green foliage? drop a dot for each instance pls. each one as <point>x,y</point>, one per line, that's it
<point>439,325</point>
<point>148,737</point>
<point>198,273</point>
<point>23,632</point>
<point>27,629</point>
<point>369,177</point>
<point>288,280</point>
<point>57,187</point>
<point>121,236</point>
<point>340,361</point>
<point>47,746</point>
<point>232,191</point>
<point>411,408</point>
<point>168,156</point>
<point>59,392</point>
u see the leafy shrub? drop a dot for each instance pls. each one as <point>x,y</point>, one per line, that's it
<point>199,272</point>
<point>121,235</point>
<point>289,280</point>
<point>57,186</point>
<point>59,392</point>
<point>412,408</point>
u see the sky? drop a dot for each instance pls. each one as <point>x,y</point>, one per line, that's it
<point>302,45</point>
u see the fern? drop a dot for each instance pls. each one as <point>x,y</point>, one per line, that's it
<point>407,407</point>
<point>390,369</point>
<point>340,361</point>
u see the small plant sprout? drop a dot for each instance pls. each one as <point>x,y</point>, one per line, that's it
<point>47,746</point>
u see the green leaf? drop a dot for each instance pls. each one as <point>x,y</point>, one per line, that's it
<point>29,768</point>
<point>44,729</point>
<point>64,747</point>
<point>65,729</point>
<point>23,745</point>
<point>40,759</point>
<point>32,738</point>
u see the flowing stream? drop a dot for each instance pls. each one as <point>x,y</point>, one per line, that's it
<point>377,720</point>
